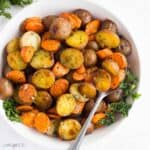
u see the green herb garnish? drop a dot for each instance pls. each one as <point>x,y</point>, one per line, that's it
<point>9,106</point>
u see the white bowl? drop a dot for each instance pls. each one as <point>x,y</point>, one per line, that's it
<point>44,8</point>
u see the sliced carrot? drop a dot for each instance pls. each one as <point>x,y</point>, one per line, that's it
<point>16,76</point>
<point>51,45</point>
<point>27,118</point>
<point>59,87</point>
<point>92,37</point>
<point>81,69</point>
<point>52,110</point>
<point>78,108</point>
<point>46,36</point>
<point>92,27</point>
<point>77,76</point>
<point>42,122</point>
<point>104,53</point>
<point>27,53</point>
<point>120,59</point>
<point>59,70</point>
<point>74,19</point>
<point>54,116</point>
<point>97,117</point>
<point>24,108</point>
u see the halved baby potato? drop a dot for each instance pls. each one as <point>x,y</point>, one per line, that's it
<point>69,129</point>
<point>71,58</point>
<point>15,61</point>
<point>107,38</point>
<point>78,39</point>
<point>65,105</point>
<point>30,38</point>
<point>43,78</point>
<point>42,59</point>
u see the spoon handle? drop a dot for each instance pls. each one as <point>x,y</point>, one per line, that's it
<point>79,139</point>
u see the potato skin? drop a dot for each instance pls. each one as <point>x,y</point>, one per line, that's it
<point>84,15</point>
<point>92,45</point>
<point>60,28</point>
<point>90,57</point>
<point>69,129</point>
<point>6,88</point>
<point>42,59</point>
<point>76,58</point>
<point>43,78</point>
<point>15,61</point>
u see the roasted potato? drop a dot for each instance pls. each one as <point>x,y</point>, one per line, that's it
<point>77,39</point>
<point>124,47</point>
<point>30,38</point>
<point>43,100</point>
<point>13,45</point>
<point>107,38</point>
<point>47,21</point>
<point>43,78</point>
<point>87,89</point>
<point>90,57</point>
<point>78,108</point>
<point>111,66</point>
<point>42,59</point>
<point>65,105</point>
<point>102,81</point>
<point>109,25</point>
<point>84,15</point>
<point>6,88</point>
<point>74,90</point>
<point>71,58</point>
<point>15,61</point>
<point>69,129</point>
<point>60,28</point>
<point>92,45</point>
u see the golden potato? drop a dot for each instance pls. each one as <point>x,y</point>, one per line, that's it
<point>111,66</point>
<point>43,78</point>
<point>15,61</point>
<point>13,45</point>
<point>102,81</point>
<point>30,38</point>
<point>74,90</point>
<point>107,38</point>
<point>71,58</point>
<point>78,39</point>
<point>42,59</point>
<point>65,105</point>
<point>69,129</point>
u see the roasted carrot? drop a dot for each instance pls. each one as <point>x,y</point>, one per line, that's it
<point>54,116</point>
<point>24,108</point>
<point>79,108</point>
<point>16,76</point>
<point>41,122</point>
<point>81,69</point>
<point>52,110</point>
<point>120,59</point>
<point>46,36</point>
<point>77,76</point>
<point>59,70</point>
<point>97,117</point>
<point>104,53</point>
<point>92,27</point>
<point>27,53</point>
<point>59,87</point>
<point>92,37</point>
<point>51,45</point>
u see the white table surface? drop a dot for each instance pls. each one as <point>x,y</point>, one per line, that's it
<point>134,132</point>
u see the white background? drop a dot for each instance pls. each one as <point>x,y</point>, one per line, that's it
<point>134,132</point>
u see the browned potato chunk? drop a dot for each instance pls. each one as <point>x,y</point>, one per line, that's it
<point>90,57</point>
<point>60,28</point>
<point>43,100</point>
<point>88,90</point>
<point>93,45</point>
<point>65,105</point>
<point>15,61</point>
<point>107,38</point>
<point>78,39</point>
<point>71,58</point>
<point>84,15</point>
<point>43,78</point>
<point>6,88</point>
<point>42,59</point>
<point>103,81</point>
<point>13,45</point>
<point>111,66</point>
<point>69,129</point>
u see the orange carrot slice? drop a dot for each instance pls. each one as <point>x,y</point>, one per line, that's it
<point>104,53</point>
<point>97,117</point>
